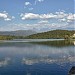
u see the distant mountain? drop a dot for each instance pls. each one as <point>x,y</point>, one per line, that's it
<point>18,33</point>
<point>54,34</point>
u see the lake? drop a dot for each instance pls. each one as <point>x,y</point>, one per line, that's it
<point>55,57</point>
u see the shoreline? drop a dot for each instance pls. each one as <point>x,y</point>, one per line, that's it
<point>30,40</point>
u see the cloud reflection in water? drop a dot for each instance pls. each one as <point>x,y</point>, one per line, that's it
<point>32,61</point>
<point>4,62</point>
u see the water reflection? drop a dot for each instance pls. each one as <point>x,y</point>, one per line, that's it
<point>4,62</point>
<point>60,61</point>
<point>55,43</point>
<point>60,43</point>
<point>27,56</point>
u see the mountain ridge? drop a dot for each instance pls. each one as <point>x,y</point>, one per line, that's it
<point>18,33</point>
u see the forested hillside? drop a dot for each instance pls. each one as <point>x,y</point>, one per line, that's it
<point>55,34</point>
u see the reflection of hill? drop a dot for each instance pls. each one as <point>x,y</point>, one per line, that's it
<point>60,43</point>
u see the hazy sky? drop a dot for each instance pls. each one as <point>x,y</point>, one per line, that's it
<point>39,15</point>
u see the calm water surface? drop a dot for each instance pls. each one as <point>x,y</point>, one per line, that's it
<point>37,58</point>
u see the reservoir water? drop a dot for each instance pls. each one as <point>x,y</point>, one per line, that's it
<point>54,57</point>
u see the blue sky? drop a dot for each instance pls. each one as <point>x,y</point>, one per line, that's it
<point>39,15</point>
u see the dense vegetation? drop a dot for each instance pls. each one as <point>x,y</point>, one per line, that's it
<point>55,34</point>
<point>8,37</point>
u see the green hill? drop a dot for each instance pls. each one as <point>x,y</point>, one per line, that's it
<point>54,34</point>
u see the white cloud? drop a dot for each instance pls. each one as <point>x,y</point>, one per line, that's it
<point>41,26</point>
<point>7,19</point>
<point>61,16</point>
<point>71,17</point>
<point>2,15</point>
<point>57,20</point>
<point>36,16</point>
<point>30,8</point>
<point>13,17</point>
<point>27,3</point>
<point>29,16</point>
<point>68,17</point>
<point>5,16</point>
<point>63,19</point>
<point>38,1</point>
<point>43,22</point>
